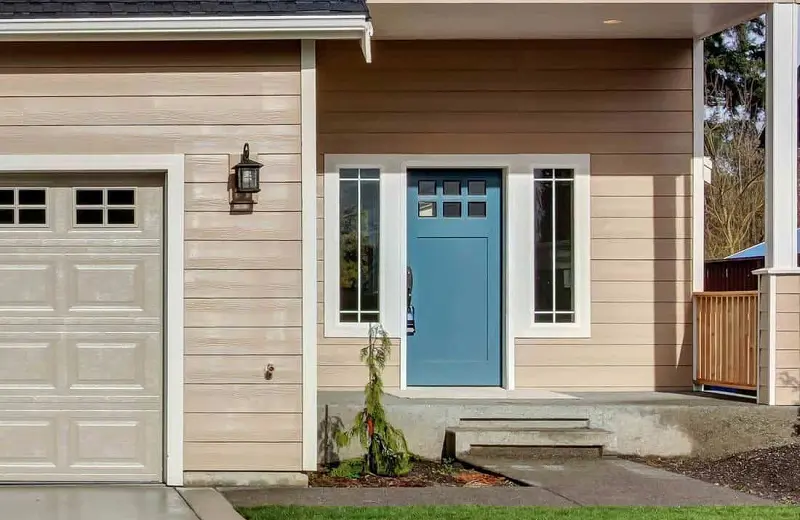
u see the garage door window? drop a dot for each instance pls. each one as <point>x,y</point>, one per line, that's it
<point>23,207</point>
<point>108,207</point>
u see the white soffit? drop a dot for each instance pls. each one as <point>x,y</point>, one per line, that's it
<point>447,19</point>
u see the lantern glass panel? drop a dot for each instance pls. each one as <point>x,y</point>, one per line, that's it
<point>248,179</point>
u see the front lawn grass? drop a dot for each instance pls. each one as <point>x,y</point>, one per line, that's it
<point>518,513</point>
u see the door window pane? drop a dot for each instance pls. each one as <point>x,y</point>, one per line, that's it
<point>451,209</point>
<point>426,209</point>
<point>451,187</point>
<point>359,245</point>
<point>554,298</point>
<point>348,245</point>
<point>427,187</point>
<point>476,188</point>
<point>476,209</point>
<point>370,254</point>
<point>543,246</point>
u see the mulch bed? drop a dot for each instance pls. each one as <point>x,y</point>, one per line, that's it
<point>424,473</point>
<point>772,473</point>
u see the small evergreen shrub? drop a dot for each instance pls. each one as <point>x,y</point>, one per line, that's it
<point>386,449</point>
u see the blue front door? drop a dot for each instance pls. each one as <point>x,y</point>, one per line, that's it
<point>454,259</point>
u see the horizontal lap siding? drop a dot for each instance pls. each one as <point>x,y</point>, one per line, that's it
<point>243,272</point>
<point>787,339</point>
<point>627,103</point>
<point>763,339</point>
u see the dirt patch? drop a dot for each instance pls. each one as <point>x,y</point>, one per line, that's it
<point>772,473</point>
<point>424,473</point>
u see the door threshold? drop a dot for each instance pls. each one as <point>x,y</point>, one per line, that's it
<point>474,392</point>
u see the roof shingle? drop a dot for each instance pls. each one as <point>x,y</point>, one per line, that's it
<point>18,9</point>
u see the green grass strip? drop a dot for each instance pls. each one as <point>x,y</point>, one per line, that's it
<point>518,513</point>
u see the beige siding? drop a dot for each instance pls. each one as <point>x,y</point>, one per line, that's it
<point>242,285</point>
<point>787,340</point>
<point>628,103</point>
<point>763,339</point>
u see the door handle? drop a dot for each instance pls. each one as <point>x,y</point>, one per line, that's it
<point>411,325</point>
<point>409,284</point>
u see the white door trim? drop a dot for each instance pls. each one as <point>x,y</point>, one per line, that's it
<point>172,167</point>
<point>517,183</point>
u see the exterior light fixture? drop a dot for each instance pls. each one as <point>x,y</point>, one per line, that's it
<point>247,173</point>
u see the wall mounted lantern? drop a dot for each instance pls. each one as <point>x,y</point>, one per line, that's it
<point>247,173</point>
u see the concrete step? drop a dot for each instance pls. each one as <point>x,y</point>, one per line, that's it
<point>460,440</point>
<point>548,423</point>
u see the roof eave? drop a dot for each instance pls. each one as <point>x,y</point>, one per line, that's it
<point>301,27</point>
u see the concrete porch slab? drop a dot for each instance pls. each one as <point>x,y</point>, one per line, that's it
<point>476,393</point>
<point>108,502</point>
<point>663,424</point>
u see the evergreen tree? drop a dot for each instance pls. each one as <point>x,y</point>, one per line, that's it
<point>386,447</point>
<point>734,70</point>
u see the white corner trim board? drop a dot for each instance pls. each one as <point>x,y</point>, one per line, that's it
<point>172,165</point>
<point>308,168</point>
<point>352,27</point>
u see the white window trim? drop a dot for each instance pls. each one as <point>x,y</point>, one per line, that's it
<point>517,229</point>
<point>520,195</point>
<point>173,167</point>
<point>389,300</point>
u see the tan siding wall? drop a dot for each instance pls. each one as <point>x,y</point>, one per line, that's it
<point>242,288</point>
<point>787,340</point>
<point>628,103</point>
<point>763,338</point>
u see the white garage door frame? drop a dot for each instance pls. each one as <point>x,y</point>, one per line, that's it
<point>172,166</point>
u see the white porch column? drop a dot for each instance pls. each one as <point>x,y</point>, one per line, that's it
<point>781,150</point>
<point>779,282</point>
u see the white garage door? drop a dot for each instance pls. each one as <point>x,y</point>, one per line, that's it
<point>80,328</point>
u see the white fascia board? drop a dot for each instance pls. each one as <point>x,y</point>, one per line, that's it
<point>355,27</point>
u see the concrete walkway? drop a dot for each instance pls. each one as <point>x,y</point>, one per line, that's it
<point>614,482</point>
<point>92,503</point>
<point>606,482</point>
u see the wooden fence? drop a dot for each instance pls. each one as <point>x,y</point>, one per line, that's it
<point>726,324</point>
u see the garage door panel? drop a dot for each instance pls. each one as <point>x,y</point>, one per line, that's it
<point>28,442</point>
<point>29,365</point>
<point>97,284</point>
<point>115,364</point>
<point>62,444</point>
<point>28,285</point>
<point>81,351</point>
<point>100,363</point>
<point>108,444</point>
<point>120,285</point>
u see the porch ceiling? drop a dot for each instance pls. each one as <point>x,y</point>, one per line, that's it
<point>448,19</point>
